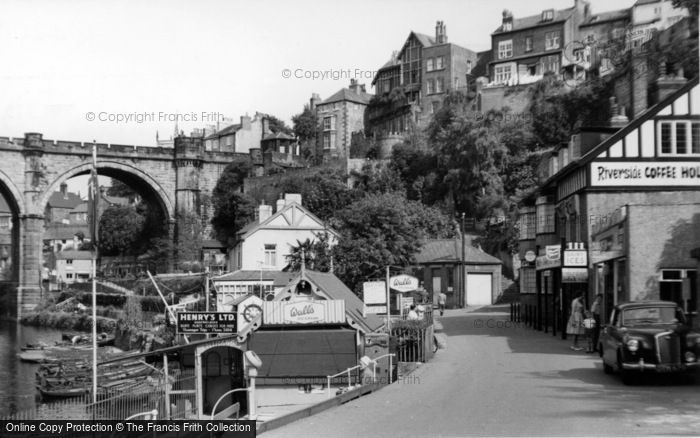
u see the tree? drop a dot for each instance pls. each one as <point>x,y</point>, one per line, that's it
<point>277,125</point>
<point>121,227</point>
<point>380,230</point>
<point>232,209</point>
<point>317,254</point>
<point>691,5</point>
<point>305,124</point>
<point>120,189</point>
<point>378,177</point>
<point>324,191</point>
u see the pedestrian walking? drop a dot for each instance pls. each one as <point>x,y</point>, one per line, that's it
<point>442,299</point>
<point>575,324</point>
<point>595,311</point>
<point>412,314</point>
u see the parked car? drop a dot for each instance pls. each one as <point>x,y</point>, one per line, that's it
<point>649,336</point>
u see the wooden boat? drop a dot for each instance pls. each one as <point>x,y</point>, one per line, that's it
<point>65,392</point>
<point>103,339</point>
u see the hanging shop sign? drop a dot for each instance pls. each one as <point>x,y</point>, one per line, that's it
<point>609,244</point>
<point>206,322</point>
<point>403,283</point>
<point>574,275</point>
<point>304,312</point>
<point>653,173</point>
<point>550,259</point>
<point>374,292</point>
<point>530,256</point>
<point>575,257</point>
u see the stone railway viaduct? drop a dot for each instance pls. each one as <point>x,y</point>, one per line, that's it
<point>32,168</point>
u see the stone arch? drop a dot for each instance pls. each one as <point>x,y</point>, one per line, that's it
<point>110,168</point>
<point>13,196</point>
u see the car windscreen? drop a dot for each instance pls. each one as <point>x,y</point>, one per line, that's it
<point>651,315</point>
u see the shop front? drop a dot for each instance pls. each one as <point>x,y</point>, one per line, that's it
<point>609,259</point>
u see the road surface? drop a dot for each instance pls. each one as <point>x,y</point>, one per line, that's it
<point>496,378</point>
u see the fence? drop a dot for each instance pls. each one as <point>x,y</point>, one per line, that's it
<point>541,317</point>
<point>414,343</point>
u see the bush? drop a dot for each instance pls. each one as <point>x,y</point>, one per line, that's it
<point>69,321</point>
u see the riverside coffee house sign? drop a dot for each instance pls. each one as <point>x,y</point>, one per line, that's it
<point>652,173</point>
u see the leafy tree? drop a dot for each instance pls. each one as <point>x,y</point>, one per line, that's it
<point>378,177</point>
<point>380,230</point>
<point>120,229</point>
<point>691,5</point>
<point>232,209</point>
<point>277,125</point>
<point>120,189</point>
<point>317,254</point>
<point>305,124</point>
<point>324,190</point>
<point>418,170</point>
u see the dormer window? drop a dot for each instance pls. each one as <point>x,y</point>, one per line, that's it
<point>548,15</point>
<point>507,25</point>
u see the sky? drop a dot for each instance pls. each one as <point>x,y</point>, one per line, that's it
<point>119,71</point>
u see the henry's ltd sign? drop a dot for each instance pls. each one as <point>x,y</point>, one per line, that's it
<point>303,312</point>
<point>206,322</point>
<point>654,173</point>
<point>403,283</point>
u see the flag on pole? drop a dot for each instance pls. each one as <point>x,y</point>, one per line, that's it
<point>93,199</point>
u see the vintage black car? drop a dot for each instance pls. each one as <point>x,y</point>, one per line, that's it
<point>649,336</point>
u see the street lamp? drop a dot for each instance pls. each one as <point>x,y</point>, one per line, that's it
<point>463,279</point>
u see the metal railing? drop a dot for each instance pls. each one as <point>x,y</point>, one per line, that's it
<point>213,411</point>
<point>340,374</point>
<point>148,415</point>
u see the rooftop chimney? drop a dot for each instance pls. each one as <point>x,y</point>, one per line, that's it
<point>618,118</point>
<point>507,20</point>
<point>440,33</point>
<point>292,197</point>
<point>264,212</point>
<point>668,82</point>
<point>314,101</point>
<point>355,86</point>
<point>280,204</point>
<point>64,188</point>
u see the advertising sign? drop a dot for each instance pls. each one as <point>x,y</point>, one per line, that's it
<point>654,173</point>
<point>374,292</point>
<point>206,322</point>
<point>403,283</point>
<point>375,310</point>
<point>304,312</point>
<point>576,257</point>
<point>551,259</point>
<point>574,275</point>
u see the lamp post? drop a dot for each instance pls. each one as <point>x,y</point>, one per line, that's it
<point>462,274</point>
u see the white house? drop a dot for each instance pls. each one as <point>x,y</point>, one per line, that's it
<point>265,243</point>
<point>73,266</point>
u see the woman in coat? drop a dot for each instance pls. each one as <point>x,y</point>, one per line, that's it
<point>575,326</point>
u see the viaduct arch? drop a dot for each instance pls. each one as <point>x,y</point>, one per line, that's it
<point>32,168</point>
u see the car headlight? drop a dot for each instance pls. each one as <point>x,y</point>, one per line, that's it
<point>689,356</point>
<point>633,345</point>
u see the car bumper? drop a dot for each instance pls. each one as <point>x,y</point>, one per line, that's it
<point>661,368</point>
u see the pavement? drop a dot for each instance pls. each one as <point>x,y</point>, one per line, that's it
<point>500,378</point>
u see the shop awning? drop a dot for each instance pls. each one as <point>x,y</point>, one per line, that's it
<point>289,354</point>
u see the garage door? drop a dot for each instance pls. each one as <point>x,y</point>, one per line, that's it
<point>478,289</point>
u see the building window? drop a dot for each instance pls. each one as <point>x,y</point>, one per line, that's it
<point>528,282</point>
<point>551,40</point>
<point>430,64</point>
<point>329,132</point>
<point>430,86</point>
<point>503,74</point>
<point>505,49</point>
<point>548,15</point>
<point>434,107</point>
<point>450,278</point>
<point>469,65</point>
<point>528,44</point>
<point>439,63</point>
<point>69,276</point>
<point>270,255</point>
<point>69,261</point>
<point>679,137</point>
<point>439,85</point>
<point>526,226</point>
<point>550,63</point>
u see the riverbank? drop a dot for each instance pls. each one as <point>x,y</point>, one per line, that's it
<point>68,321</point>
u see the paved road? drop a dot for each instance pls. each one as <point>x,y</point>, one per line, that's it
<point>497,379</point>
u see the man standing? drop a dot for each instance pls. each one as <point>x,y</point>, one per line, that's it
<point>442,299</point>
<point>595,311</point>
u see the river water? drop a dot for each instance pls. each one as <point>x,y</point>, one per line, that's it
<point>17,390</point>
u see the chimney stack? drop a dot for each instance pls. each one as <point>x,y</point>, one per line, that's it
<point>618,118</point>
<point>64,188</point>
<point>355,86</point>
<point>668,82</point>
<point>440,33</point>
<point>264,212</point>
<point>507,22</point>
<point>314,101</point>
<point>280,204</point>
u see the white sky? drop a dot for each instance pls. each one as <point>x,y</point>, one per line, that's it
<point>63,59</point>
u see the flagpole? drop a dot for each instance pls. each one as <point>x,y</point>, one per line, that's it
<point>95,192</point>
